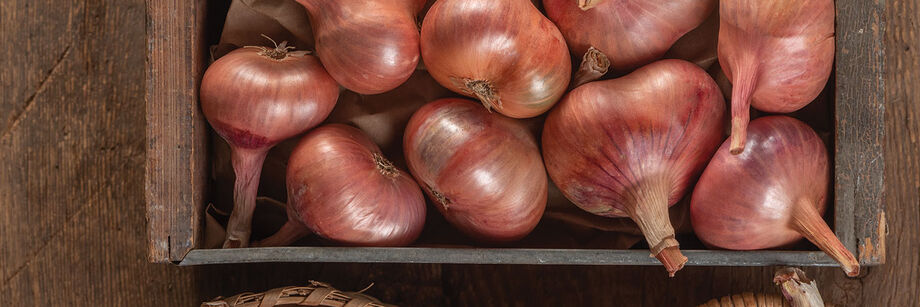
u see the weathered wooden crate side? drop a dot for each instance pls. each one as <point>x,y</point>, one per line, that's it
<point>176,130</point>
<point>860,129</point>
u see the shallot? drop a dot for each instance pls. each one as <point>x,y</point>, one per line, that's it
<point>368,46</point>
<point>505,53</point>
<point>482,170</point>
<point>769,195</point>
<point>342,188</point>
<point>632,146</point>
<point>777,54</point>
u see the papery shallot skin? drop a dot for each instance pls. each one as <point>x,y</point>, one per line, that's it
<point>342,189</point>
<point>482,170</point>
<point>777,54</point>
<point>744,202</point>
<point>633,146</point>
<point>505,53</point>
<point>368,46</point>
<point>631,33</point>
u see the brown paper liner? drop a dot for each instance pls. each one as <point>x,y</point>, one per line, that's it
<point>247,20</point>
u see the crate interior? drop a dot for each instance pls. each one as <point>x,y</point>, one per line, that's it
<point>557,232</point>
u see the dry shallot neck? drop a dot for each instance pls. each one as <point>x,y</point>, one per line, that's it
<point>385,166</point>
<point>280,52</point>
<point>594,65</point>
<point>807,220</point>
<point>484,91</point>
<point>247,166</point>
<point>649,209</point>
<point>743,84</point>
<point>443,200</point>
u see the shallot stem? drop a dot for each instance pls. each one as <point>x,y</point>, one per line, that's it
<point>650,211</point>
<point>247,165</point>
<point>385,167</point>
<point>808,222</point>
<point>594,65</point>
<point>672,259</point>
<point>289,233</point>
<point>485,92</point>
<point>743,82</point>
<point>280,51</point>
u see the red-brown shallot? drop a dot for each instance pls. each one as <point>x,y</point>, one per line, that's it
<point>482,170</point>
<point>770,195</point>
<point>505,53</point>
<point>633,146</point>
<point>368,46</point>
<point>777,54</point>
<point>342,188</point>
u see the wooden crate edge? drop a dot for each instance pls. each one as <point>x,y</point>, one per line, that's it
<point>176,165</point>
<point>860,129</point>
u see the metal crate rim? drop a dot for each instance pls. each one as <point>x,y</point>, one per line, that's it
<point>498,256</point>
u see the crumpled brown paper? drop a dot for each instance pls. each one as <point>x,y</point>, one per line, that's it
<point>384,117</point>
<point>248,20</point>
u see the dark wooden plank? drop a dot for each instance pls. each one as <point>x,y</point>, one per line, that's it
<point>36,77</point>
<point>898,282</point>
<point>72,160</point>
<point>176,130</point>
<point>496,256</point>
<point>860,129</point>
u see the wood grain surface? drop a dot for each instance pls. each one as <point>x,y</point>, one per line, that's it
<point>72,152</point>
<point>72,158</point>
<point>860,128</point>
<point>175,178</point>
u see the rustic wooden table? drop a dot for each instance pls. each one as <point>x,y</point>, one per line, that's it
<point>72,194</point>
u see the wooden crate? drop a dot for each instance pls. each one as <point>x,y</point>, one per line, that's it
<point>177,161</point>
